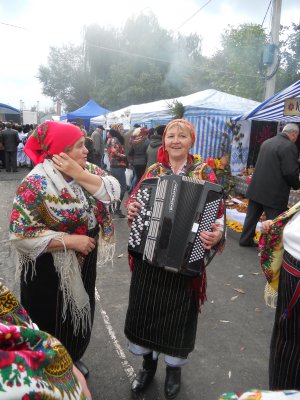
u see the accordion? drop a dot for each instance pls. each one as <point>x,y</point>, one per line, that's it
<point>175,209</point>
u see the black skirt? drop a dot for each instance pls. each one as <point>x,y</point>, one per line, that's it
<point>42,299</point>
<point>162,314</point>
<point>284,364</point>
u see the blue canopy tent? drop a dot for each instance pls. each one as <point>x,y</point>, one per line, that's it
<point>6,110</point>
<point>89,110</point>
<point>271,109</point>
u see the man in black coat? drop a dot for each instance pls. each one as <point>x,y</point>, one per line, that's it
<point>276,172</point>
<point>10,140</point>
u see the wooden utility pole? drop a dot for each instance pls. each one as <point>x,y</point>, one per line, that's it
<point>270,83</point>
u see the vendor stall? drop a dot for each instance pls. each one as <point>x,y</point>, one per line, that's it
<point>241,186</point>
<point>236,208</point>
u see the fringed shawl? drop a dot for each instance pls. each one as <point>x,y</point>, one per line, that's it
<point>271,254</point>
<point>45,208</point>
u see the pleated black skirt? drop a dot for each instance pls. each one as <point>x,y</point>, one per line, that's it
<point>42,299</point>
<point>284,363</point>
<point>162,313</point>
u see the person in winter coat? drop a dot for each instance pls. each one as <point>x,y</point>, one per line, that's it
<point>276,172</point>
<point>155,143</point>
<point>118,163</point>
<point>137,151</point>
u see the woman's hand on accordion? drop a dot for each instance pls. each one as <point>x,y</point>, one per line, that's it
<point>210,239</point>
<point>133,210</point>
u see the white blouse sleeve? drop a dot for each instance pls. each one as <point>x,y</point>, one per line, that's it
<point>109,191</point>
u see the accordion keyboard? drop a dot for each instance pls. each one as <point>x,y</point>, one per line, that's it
<point>141,222</point>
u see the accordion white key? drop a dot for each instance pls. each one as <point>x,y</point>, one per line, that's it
<point>175,209</point>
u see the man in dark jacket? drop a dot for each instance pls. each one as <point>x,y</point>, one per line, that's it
<point>10,140</point>
<point>276,172</point>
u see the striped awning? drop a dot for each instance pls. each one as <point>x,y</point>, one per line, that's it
<point>272,109</point>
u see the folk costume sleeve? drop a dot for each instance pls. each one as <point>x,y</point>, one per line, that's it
<point>109,192</point>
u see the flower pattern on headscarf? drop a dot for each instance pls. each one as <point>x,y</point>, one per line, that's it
<point>50,138</point>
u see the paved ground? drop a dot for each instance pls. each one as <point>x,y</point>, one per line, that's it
<point>233,332</point>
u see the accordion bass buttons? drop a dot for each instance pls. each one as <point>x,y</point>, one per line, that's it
<point>141,222</point>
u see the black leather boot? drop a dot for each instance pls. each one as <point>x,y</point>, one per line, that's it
<point>145,375</point>
<point>172,382</point>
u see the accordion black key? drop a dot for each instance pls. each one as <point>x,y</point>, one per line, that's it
<point>175,209</point>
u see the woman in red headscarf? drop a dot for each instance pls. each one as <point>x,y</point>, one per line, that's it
<point>163,306</point>
<point>60,226</point>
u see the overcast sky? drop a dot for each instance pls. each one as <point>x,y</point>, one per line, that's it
<point>53,23</point>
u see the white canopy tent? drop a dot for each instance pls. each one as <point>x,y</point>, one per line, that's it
<point>153,113</point>
<point>208,110</point>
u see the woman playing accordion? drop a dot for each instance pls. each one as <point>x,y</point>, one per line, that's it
<point>163,306</point>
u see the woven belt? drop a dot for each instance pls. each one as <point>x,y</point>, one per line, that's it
<point>287,262</point>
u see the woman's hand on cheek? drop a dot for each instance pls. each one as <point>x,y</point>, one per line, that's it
<point>66,165</point>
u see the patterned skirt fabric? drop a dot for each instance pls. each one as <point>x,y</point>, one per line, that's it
<point>162,313</point>
<point>284,367</point>
<point>42,299</point>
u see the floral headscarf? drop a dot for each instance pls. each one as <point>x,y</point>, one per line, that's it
<point>162,155</point>
<point>50,138</point>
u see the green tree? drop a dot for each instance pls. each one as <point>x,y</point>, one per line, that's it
<point>140,63</point>
<point>237,68</point>
<point>289,71</point>
<point>65,77</point>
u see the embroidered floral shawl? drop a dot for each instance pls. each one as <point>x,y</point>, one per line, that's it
<point>46,207</point>
<point>33,364</point>
<point>271,253</point>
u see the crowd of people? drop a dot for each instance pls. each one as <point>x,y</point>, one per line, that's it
<point>61,227</point>
<point>12,141</point>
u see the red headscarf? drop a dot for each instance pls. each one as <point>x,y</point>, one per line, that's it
<point>162,155</point>
<point>50,138</point>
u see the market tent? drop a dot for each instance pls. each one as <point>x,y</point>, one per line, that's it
<point>150,114</point>
<point>89,110</point>
<point>271,109</point>
<point>209,111</point>
<point>6,109</point>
